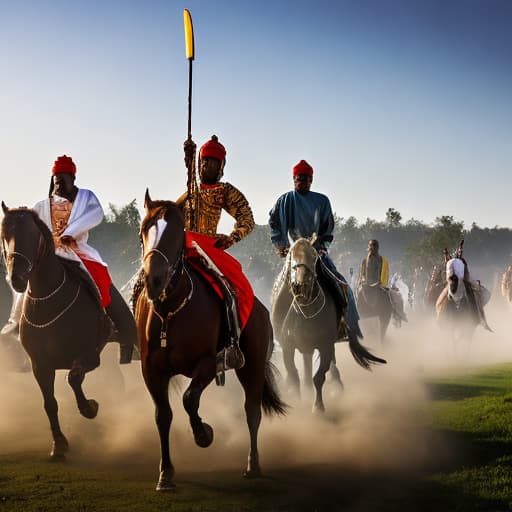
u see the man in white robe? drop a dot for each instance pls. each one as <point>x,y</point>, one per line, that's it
<point>69,213</point>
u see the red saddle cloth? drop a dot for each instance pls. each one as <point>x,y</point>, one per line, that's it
<point>230,267</point>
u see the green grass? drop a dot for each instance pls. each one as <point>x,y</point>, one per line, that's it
<point>474,414</point>
<point>470,415</point>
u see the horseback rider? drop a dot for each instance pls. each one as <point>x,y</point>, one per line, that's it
<point>205,206</point>
<point>303,213</point>
<point>477,294</point>
<point>374,271</point>
<point>70,212</point>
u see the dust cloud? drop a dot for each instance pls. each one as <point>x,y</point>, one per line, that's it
<point>377,422</point>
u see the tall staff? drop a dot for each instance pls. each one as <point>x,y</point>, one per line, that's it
<point>191,164</point>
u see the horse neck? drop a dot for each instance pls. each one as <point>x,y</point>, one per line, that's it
<point>46,275</point>
<point>178,289</point>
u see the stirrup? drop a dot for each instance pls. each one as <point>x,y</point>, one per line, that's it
<point>230,358</point>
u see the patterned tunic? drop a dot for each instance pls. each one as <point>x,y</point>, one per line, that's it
<point>212,200</point>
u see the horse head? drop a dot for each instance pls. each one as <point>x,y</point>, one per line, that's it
<point>21,234</point>
<point>162,238</point>
<point>302,261</point>
<point>455,279</point>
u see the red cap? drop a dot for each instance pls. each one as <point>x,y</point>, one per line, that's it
<point>64,164</point>
<point>302,168</point>
<point>213,148</point>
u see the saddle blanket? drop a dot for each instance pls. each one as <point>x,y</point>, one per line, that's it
<point>228,265</point>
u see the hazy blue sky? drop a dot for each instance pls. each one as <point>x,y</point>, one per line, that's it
<point>404,104</point>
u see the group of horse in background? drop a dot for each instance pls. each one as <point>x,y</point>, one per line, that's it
<point>64,327</point>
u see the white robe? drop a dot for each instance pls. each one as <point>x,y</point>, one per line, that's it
<point>86,213</point>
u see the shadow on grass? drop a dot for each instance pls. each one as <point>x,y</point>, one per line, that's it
<point>481,473</point>
<point>336,488</point>
<point>453,391</point>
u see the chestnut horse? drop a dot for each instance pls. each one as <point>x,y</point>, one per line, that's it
<point>179,319</point>
<point>63,325</point>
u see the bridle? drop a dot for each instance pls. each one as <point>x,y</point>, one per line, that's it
<point>28,297</point>
<point>172,268</point>
<point>317,302</point>
<point>10,255</point>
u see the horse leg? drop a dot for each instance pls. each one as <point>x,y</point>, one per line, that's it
<point>45,377</point>
<point>158,387</point>
<point>252,380</point>
<point>335,373</point>
<point>384,320</point>
<point>87,408</point>
<point>326,356</point>
<point>204,373</point>
<point>308,369</point>
<point>292,375</point>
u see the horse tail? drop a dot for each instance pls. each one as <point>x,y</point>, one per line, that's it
<point>271,401</point>
<point>361,354</point>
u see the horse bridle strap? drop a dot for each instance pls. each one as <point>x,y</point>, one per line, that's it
<point>165,319</point>
<point>50,295</point>
<point>171,268</point>
<point>300,308</point>
<point>47,324</point>
<point>16,253</point>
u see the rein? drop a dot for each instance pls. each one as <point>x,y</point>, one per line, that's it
<point>11,256</point>
<point>165,319</point>
<point>319,297</point>
<point>47,324</point>
<point>299,308</point>
<point>46,297</point>
<point>172,272</point>
<point>171,268</point>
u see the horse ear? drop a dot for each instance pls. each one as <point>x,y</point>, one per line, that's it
<point>314,238</point>
<point>4,207</point>
<point>147,200</point>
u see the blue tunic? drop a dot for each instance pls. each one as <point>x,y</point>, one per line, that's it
<point>300,215</point>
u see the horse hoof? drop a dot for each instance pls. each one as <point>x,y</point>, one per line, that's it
<point>57,457</point>
<point>252,473</point>
<point>318,409</point>
<point>204,438</point>
<point>165,483</point>
<point>90,410</point>
<point>59,449</point>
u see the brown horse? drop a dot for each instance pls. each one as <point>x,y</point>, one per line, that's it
<point>179,318</point>
<point>63,325</point>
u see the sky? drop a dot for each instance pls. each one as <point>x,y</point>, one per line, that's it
<point>395,103</point>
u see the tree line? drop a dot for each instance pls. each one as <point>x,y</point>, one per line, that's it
<point>409,245</point>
